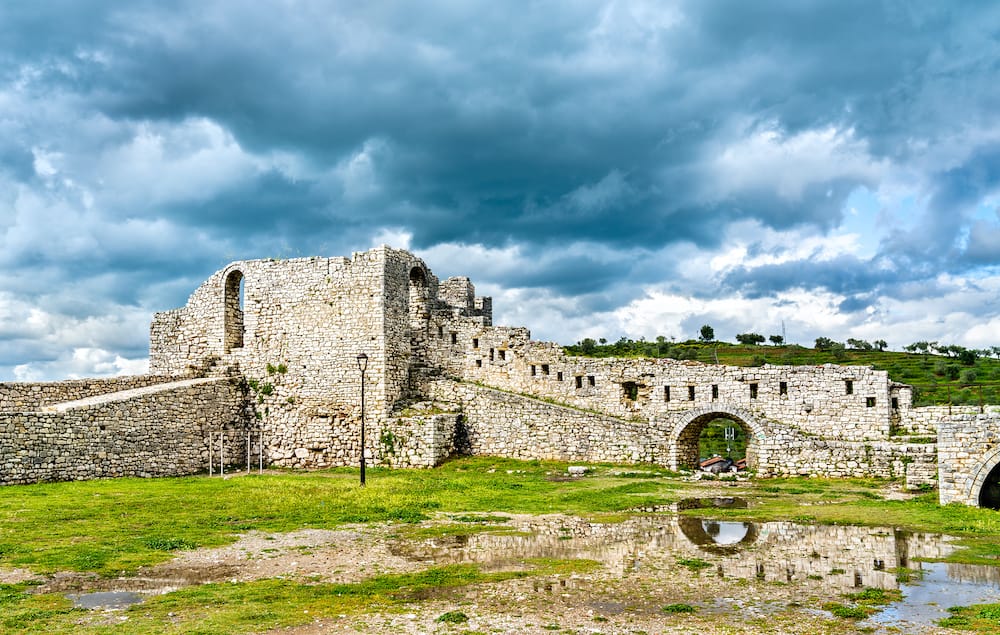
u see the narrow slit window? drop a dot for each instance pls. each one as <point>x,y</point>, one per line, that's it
<point>591,380</point>
<point>895,403</point>
<point>579,381</point>
<point>545,369</point>
<point>848,386</point>
<point>475,342</point>
<point>502,354</point>
<point>870,402</point>
<point>454,338</point>
<point>783,387</point>
<point>666,393</point>
<point>491,354</point>
<point>559,376</point>
<point>479,363</point>
<point>532,370</point>
<point>753,391</point>
<point>715,391</point>
<point>441,331</point>
<point>690,393</point>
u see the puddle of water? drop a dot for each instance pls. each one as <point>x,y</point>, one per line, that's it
<point>723,502</point>
<point>105,599</point>
<point>942,585</point>
<point>836,559</point>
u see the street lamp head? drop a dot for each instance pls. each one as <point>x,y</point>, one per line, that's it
<point>362,362</point>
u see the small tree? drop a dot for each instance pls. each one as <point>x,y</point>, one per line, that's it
<point>859,345</point>
<point>707,333</point>
<point>881,345</point>
<point>588,345</point>
<point>824,343</point>
<point>777,340</point>
<point>751,339</point>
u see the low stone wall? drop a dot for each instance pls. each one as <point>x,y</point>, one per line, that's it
<point>923,421</point>
<point>504,424</point>
<point>968,449</point>
<point>162,433</point>
<point>917,462</point>
<point>30,397</point>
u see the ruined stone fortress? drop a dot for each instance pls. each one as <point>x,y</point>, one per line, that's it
<point>262,365</point>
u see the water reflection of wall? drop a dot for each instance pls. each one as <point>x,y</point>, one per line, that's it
<point>843,558</point>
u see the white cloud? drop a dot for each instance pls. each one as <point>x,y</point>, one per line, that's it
<point>81,363</point>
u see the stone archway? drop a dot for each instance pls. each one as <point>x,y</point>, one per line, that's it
<point>982,488</point>
<point>683,440</point>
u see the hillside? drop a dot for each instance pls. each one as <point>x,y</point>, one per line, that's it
<point>937,379</point>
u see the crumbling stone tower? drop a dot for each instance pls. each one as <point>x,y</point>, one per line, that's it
<point>294,329</point>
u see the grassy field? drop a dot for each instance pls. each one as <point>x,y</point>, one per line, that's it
<point>937,379</point>
<point>112,527</point>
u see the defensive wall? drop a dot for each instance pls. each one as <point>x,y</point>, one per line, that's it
<point>439,378</point>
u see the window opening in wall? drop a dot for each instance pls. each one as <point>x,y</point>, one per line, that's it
<point>532,370</point>
<point>502,354</point>
<point>491,354</point>
<point>479,363</point>
<point>233,305</point>
<point>870,402</point>
<point>666,393</point>
<point>579,381</point>
<point>753,391</point>
<point>849,386</point>
<point>783,387</point>
<point>715,391</point>
<point>878,565</point>
<point>591,380</point>
<point>630,390</point>
<point>545,369</point>
<point>559,376</point>
<point>690,393</point>
<point>441,331</point>
<point>454,338</point>
<point>895,403</point>
<point>475,342</point>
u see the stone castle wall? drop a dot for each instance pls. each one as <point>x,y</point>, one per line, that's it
<point>968,451</point>
<point>28,397</point>
<point>161,433</point>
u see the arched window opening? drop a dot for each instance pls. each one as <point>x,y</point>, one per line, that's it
<point>989,496</point>
<point>418,298</point>
<point>234,302</point>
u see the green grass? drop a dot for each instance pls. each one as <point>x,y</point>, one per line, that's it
<point>978,618</point>
<point>253,606</point>
<point>935,377</point>
<point>116,526</point>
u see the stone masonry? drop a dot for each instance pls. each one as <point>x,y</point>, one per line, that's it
<point>440,378</point>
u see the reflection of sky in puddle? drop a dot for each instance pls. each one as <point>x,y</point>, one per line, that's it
<point>725,532</point>
<point>105,599</point>
<point>943,585</point>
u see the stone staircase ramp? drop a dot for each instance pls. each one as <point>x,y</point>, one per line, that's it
<point>124,395</point>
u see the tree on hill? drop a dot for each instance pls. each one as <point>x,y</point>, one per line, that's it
<point>824,344</point>
<point>751,339</point>
<point>859,345</point>
<point>777,340</point>
<point>881,345</point>
<point>707,333</point>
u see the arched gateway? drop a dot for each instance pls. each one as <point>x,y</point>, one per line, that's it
<point>683,440</point>
<point>983,486</point>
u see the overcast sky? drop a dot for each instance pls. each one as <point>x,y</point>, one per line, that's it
<point>602,169</point>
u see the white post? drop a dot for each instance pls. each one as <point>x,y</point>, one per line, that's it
<point>222,453</point>
<point>211,442</point>
<point>248,449</point>
<point>260,451</point>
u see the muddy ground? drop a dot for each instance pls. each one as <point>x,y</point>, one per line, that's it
<point>641,571</point>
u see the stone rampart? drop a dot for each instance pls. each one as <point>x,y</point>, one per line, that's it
<point>968,452</point>
<point>162,433</point>
<point>29,397</point>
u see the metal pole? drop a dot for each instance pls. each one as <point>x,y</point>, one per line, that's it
<point>362,365</point>
<point>222,453</point>
<point>260,451</point>
<point>211,442</point>
<point>248,450</point>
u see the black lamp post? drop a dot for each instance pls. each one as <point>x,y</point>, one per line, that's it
<point>362,365</point>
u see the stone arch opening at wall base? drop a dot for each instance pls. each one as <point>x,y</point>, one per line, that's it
<point>684,441</point>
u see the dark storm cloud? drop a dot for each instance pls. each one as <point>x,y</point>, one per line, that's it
<point>295,128</point>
